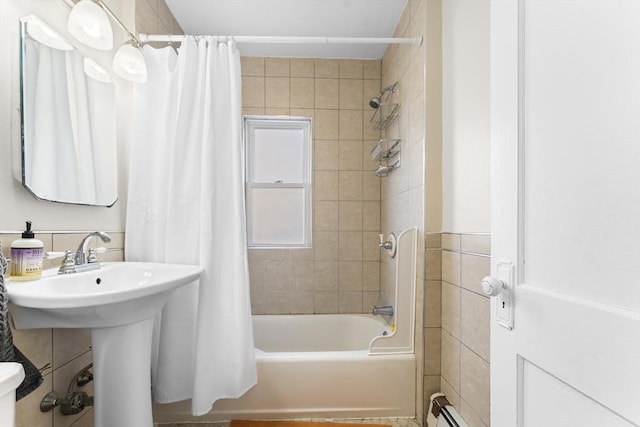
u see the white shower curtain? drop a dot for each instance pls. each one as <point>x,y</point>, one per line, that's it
<point>186,205</point>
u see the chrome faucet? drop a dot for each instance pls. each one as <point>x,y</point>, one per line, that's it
<point>386,310</point>
<point>82,258</point>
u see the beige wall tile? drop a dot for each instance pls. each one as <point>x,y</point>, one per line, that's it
<point>350,124</point>
<point>476,243</point>
<point>252,66</point>
<point>431,385</point>
<point>350,246</point>
<point>432,240</point>
<point>269,254</point>
<point>450,361</point>
<point>350,185</point>
<point>302,67</point>
<point>327,93</point>
<point>350,276</point>
<point>470,417</point>
<point>371,216</point>
<point>277,92</point>
<point>475,323</point>
<point>326,302</point>
<point>433,260</point>
<point>370,187</point>
<point>302,93</point>
<point>370,246</point>
<point>474,383</point>
<point>325,276</point>
<point>350,155</point>
<point>146,17</point>
<point>277,111</point>
<point>327,68</point>
<point>253,111</point>
<point>277,67</point>
<point>277,276</point>
<point>326,154</point>
<point>325,216</point>
<point>369,300</point>
<point>36,345</point>
<point>69,344</point>
<point>326,245</point>
<point>451,267</point>
<point>326,185</point>
<point>253,91</point>
<point>265,302</point>
<point>165,15</point>
<point>433,304</point>
<point>372,69</point>
<point>370,276</point>
<point>351,69</point>
<point>350,216</point>
<point>303,276</point>
<point>473,269</point>
<point>301,254</point>
<point>351,94</point>
<point>453,396</point>
<point>302,302</point>
<point>28,408</point>
<point>350,302</point>
<point>450,241</point>
<point>451,309</point>
<point>326,124</point>
<point>433,349</point>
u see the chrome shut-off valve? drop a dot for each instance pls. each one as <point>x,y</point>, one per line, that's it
<point>389,245</point>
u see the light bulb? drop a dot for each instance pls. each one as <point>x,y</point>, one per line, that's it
<point>89,24</point>
<point>129,64</point>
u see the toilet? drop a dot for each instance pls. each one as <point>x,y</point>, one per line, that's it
<point>11,375</point>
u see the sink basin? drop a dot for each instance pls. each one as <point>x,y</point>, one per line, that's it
<point>119,303</point>
<point>117,294</point>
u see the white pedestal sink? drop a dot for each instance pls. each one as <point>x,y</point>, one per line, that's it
<point>118,302</point>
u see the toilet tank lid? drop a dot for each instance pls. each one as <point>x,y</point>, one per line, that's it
<point>11,375</point>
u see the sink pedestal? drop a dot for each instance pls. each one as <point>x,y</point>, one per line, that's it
<point>122,375</point>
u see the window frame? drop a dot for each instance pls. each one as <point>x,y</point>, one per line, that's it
<point>252,122</point>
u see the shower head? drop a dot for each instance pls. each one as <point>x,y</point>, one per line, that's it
<point>376,100</point>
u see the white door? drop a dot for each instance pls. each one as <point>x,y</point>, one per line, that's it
<point>565,94</point>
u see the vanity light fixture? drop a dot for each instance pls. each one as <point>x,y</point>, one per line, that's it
<point>88,23</point>
<point>129,64</point>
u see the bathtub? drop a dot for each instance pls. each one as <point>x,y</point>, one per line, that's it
<point>317,366</point>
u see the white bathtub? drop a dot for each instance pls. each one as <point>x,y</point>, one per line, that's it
<point>317,366</point>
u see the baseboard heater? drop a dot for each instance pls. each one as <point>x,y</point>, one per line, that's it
<point>442,414</point>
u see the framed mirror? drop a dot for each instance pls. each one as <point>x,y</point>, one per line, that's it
<point>68,113</point>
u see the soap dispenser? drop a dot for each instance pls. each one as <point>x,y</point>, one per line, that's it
<point>26,256</point>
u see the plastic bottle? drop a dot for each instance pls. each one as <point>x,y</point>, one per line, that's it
<point>26,256</point>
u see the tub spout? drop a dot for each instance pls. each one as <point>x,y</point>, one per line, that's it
<point>386,310</point>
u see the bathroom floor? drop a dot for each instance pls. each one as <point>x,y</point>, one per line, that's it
<point>394,422</point>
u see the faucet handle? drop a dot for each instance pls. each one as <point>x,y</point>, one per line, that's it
<point>93,252</point>
<point>381,236</point>
<point>68,263</point>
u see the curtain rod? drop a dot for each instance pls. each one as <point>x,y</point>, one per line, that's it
<point>292,40</point>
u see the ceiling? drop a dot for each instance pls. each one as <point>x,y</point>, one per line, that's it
<point>317,18</point>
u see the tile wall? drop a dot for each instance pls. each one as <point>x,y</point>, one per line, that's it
<point>341,273</point>
<point>465,334</point>
<point>59,353</point>
<point>403,191</point>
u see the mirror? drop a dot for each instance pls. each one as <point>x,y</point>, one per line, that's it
<point>69,149</point>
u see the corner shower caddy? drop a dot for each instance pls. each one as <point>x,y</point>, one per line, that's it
<point>386,151</point>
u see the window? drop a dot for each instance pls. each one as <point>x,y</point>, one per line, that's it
<point>278,181</point>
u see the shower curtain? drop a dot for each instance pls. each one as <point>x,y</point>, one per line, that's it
<point>186,205</point>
